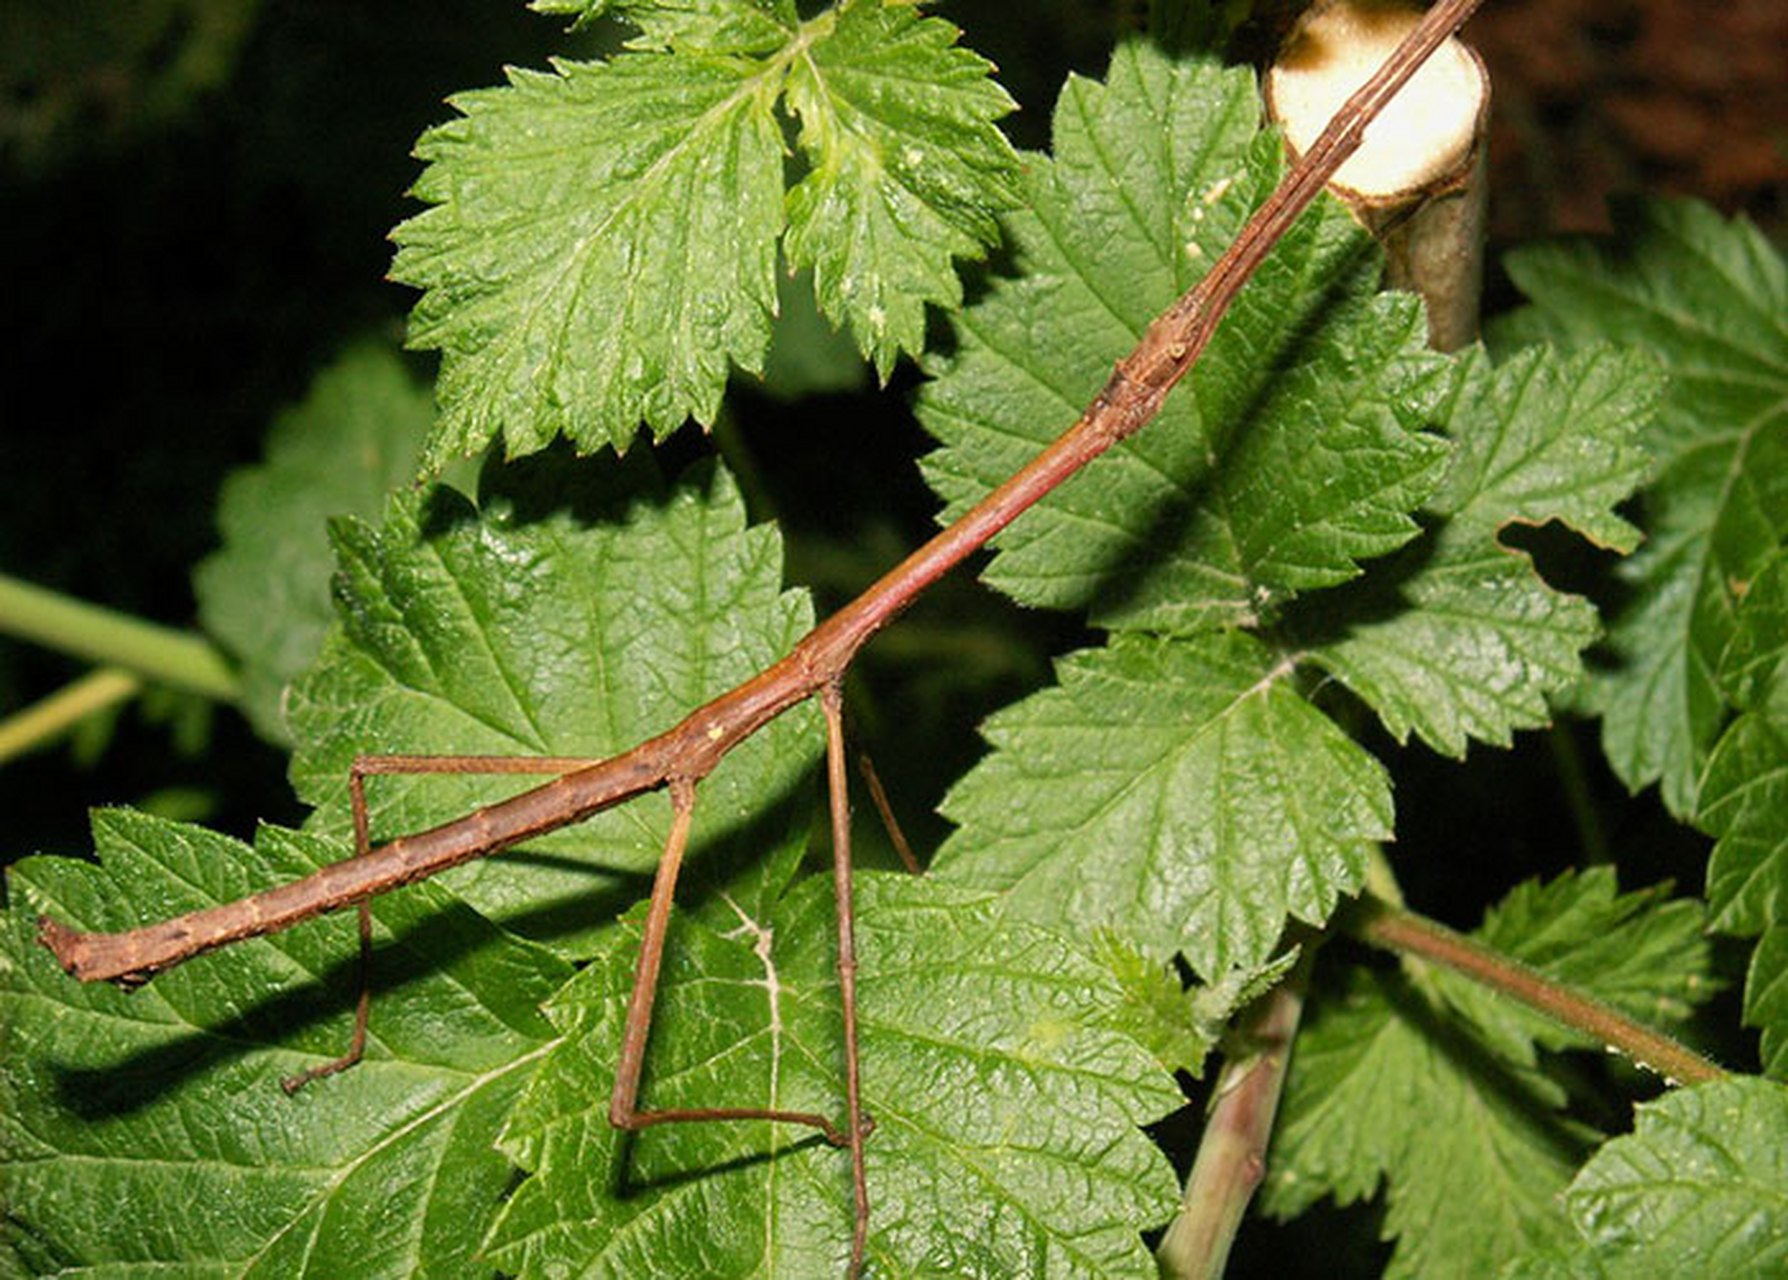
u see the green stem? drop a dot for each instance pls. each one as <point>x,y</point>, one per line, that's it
<point>43,722</point>
<point>1232,1152</point>
<point>1409,934</point>
<point>156,653</point>
<point>1575,784</point>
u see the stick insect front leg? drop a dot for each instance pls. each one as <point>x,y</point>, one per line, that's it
<point>358,772</point>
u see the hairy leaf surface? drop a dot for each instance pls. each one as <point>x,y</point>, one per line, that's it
<point>1457,637</point>
<point>1699,1188</point>
<point>1177,790</point>
<point>603,237</point>
<point>1005,1106</point>
<point>1294,451</point>
<point>148,1133</point>
<point>1710,299</point>
<point>1643,952</point>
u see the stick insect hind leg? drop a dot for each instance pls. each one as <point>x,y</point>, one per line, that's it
<point>624,1110</point>
<point>371,765</point>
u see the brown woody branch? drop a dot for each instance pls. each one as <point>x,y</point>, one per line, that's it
<point>689,751</point>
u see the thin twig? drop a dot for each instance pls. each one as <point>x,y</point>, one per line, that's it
<point>689,751</point>
<point>1407,933</point>
<point>878,796</point>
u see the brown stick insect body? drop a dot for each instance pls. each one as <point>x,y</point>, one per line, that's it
<point>681,757</point>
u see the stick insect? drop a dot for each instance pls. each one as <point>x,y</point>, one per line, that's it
<point>677,760</point>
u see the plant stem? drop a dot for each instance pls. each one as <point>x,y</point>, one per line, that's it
<point>1575,785</point>
<point>159,654</point>
<point>1232,1152</point>
<point>43,722</point>
<point>1407,933</point>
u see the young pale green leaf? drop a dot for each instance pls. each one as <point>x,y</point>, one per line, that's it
<point>1175,790</point>
<point>1710,299</point>
<point>148,1134</point>
<point>1699,1188</point>
<point>1180,1025</point>
<point>578,610</point>
<point>1641,952</point>
<point>1470,1145</point>
<point>906,171</point>
<point>265,594</point>
<point>603,239</point>
<point>1458,637</point>
<point>1005,1106</point>
<point>1292,454</point>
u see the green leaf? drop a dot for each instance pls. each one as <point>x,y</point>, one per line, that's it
<point>1641,952</point>
<point>1175,790</point>
<point>1291,455</point>
<point>148,1134</point>
<point>1745,785</point>
<point>1458,637</point>
<point>1005,1110</point>
<point>604,236</point>
<point>1743,801</point>
<point>265,594</point>
<point>906,171</point>
<point>578,610</point>
<point>1709,298</point>
<point>1469,1144</point>
<point>602,244</point>
<point>1699,1188</point>
<point>1766,999</point>
<point>1750,670</point>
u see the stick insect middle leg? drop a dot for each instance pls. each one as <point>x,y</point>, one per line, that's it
<point>358,772</point>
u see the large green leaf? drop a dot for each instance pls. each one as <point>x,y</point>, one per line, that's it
<point>1291,454</point>
<point>905,171</point>
<point>1176,790</point>
<point>147,1134</point>
<point>1710,299</point>
<point>1458,637</point>
<point>1005,1109</point>
<point>1699,1188</point>
<point>265,594</point>
<point>578,610</point>
<point>603,239</point>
